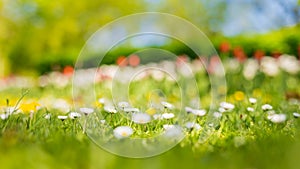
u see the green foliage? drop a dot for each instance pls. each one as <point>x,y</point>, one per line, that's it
<point>285,40</point>
<point>36,35</point>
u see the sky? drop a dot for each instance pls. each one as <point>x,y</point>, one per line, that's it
<point>258,16</point>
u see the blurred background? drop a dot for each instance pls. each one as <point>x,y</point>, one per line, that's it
<point>39,36</point>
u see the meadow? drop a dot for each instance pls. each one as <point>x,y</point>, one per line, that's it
<point>255,124</point>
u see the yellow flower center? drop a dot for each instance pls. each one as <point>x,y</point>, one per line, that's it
<point>124,134</point>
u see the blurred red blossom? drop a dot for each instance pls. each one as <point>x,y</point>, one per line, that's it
<point>134,60</point>
<point>259,54</point>
<point>224,47</point>
<point>122,61</point>
<point>68,70</point>
<point>239,54</point>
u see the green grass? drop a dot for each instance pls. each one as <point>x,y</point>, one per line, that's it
<point>239,139</point>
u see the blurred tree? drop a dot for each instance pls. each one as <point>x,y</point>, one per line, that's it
<point>205,14</point>
<point>39,35</point>
<point>37,32</point>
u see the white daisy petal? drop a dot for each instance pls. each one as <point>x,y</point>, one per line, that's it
<point>47,116</point>
<point>192,125</point>
<point>252,100</point>
<point>168,115</point>
<point>277,118</point>
<point>217,115</point>
<point>250,109</point>
<point>296,115</point>
<point>227,106</point>
<point>62,117</point>
<point>199,112</point>
<point>4,116</point>
<point>86,110</point>
<point>110,109</point>
<point>131,109</point>
<point>167,105</point>
<point>74,115</point>
<point>189,109</point>
<point>123,132</point>
<point>123,104</point>
<point>266,107</point>
<point>141,118</point>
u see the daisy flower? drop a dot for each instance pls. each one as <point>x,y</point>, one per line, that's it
<point>227,106</point>
<point>101,100</point>
<point>167,105</point>
<point>199,112</point>
<point>168,126</point>
<point>277,118</point>
<point>62,118</point>
<point>47,116</point>
<point>11,110</point>
<point>168,115</point>
<point>266,107</point>
<point>4,116</point>
<point>74,115</point>
<point>296,115</point>
<point>250,109</point>
<point>123,132</point>
<point>217,115</point>
<point>192,125</point>
<point>110,109</point>
<point>123,104</point>
<point>252,100</point>
<point>86,111</point>
<point>188,109</point>
<point>221,110</point>
<point>131,109</point>
<point>141,118</point>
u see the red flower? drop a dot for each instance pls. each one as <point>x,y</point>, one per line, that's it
<point>276,54</point>
<point>68,71</point>
<point>134,60</point>
<point>181,59</point>
<point>224,47</point>
<point>258,54</point>
<point>239,54</point>
<point>122,61</point>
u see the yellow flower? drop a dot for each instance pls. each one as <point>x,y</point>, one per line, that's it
<point>267,98</point>
<point>239,95</point>
<point>257,93</point>
<point>151,111</point>
<point>97,104</point>
<point>152,96</point>
<point>29,107</point>
<point>231,99</point>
